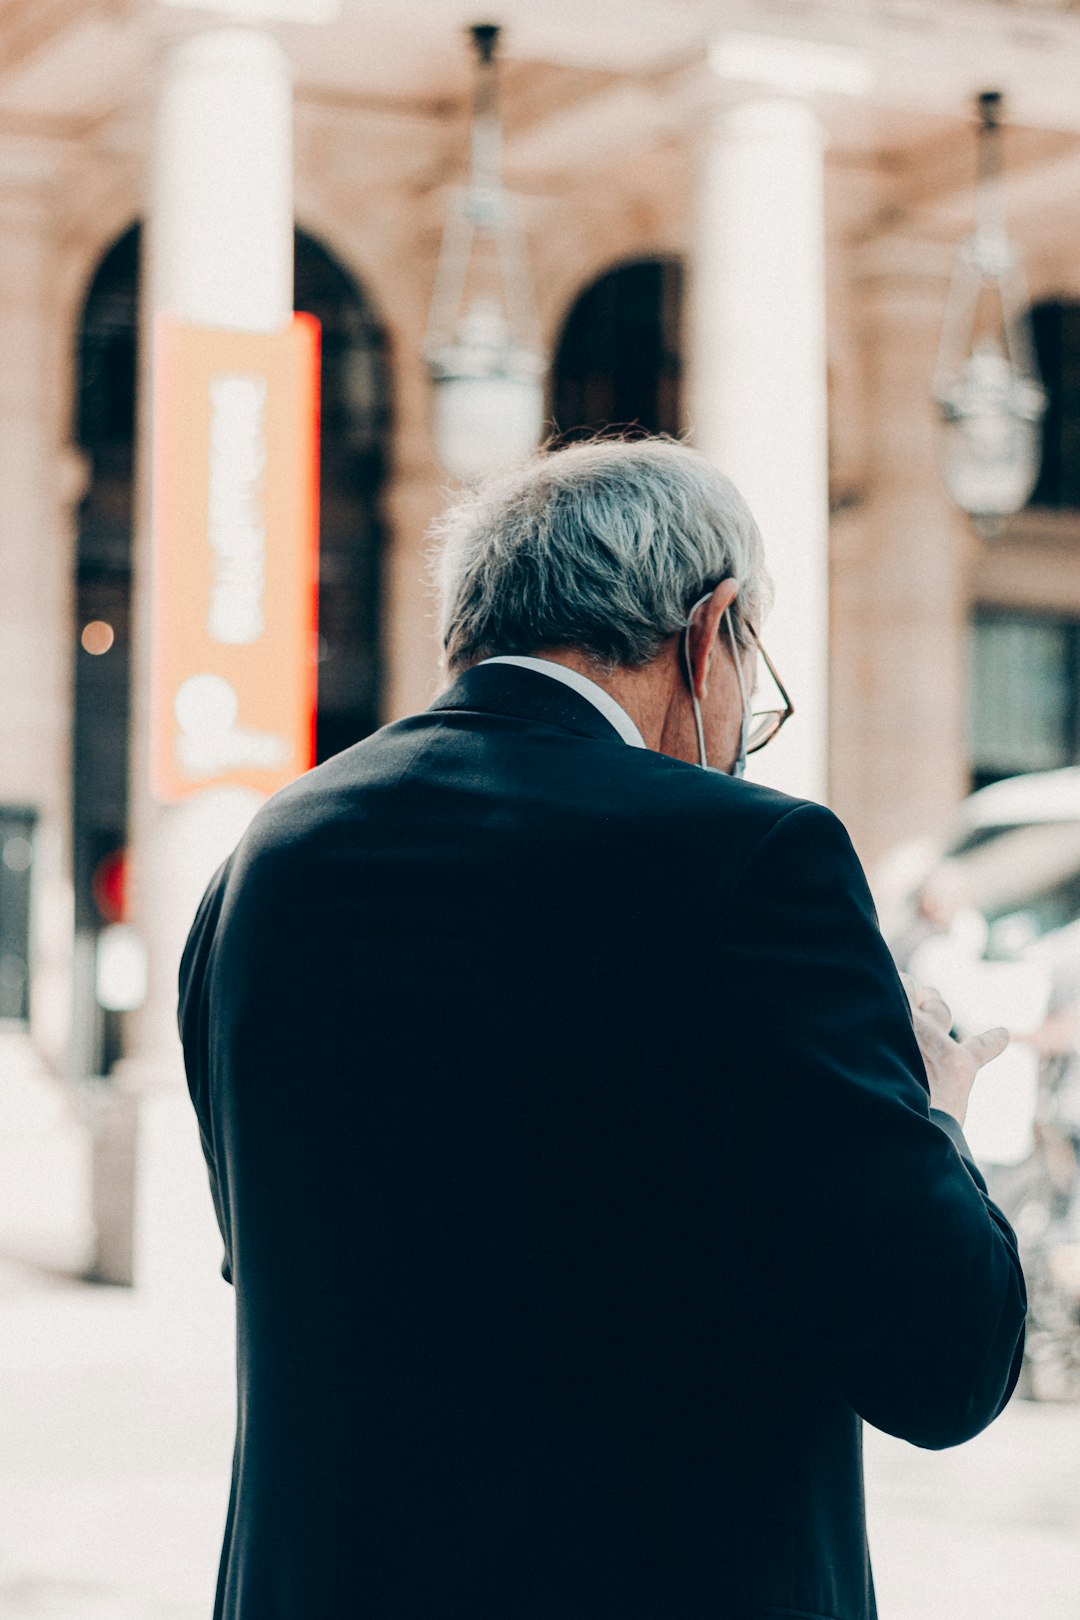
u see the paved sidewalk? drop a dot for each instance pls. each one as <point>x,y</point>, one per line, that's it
<point>986,1531</point>
<point>116,1422</point>
<point>116,1405</point>
<point>114,1459</point>
<point>114,1463</point>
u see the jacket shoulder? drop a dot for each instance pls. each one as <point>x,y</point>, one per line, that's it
<point>713,800</point>
<point>328,791</point>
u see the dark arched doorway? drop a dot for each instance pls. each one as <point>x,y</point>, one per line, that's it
<point>356,404</point>
<point>105,431</point>
<point>356,408</point>
<point>618,358</point>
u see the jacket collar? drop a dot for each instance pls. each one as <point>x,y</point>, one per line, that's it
<point>527,695</point>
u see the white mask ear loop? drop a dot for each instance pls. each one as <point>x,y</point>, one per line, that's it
<point>739,767</point>
<point>702,759</point>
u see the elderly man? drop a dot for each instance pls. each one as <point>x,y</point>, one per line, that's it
<point>585,1176</point>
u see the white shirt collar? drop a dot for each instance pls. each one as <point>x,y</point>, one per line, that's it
<point>596,695</point>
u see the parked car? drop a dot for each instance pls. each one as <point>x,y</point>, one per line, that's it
<point>990,914</point>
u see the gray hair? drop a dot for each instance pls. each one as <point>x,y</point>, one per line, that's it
<point>604,547</point>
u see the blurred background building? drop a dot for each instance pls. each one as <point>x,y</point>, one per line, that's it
<point>740,224</point>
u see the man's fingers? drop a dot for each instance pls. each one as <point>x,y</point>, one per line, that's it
<point>925,999</point>
<point>987,1046</point>
<point>934,1005</point>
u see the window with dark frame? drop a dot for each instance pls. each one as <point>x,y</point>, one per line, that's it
<point>16,865</point>
<point>1024,693</point>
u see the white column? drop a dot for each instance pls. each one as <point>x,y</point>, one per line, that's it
<point>222,223</point>
<point>36,632</point>
<point>757,387</point>
<point>220,254</point>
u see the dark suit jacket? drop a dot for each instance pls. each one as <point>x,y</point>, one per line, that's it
<point>572,1151</point>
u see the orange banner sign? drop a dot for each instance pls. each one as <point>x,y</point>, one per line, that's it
<point>235,572</point>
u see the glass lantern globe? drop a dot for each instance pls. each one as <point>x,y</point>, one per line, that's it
<point>482,351</point>
<point>488,395</point>
<point>990,440</point>
<point>986,381</point>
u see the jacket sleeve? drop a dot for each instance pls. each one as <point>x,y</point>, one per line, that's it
<point>888,1258</point>
<point>193,1022</point>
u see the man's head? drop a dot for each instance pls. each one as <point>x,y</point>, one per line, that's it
<point>596,555</point>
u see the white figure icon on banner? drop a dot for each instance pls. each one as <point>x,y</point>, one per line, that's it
<point>210,740</point>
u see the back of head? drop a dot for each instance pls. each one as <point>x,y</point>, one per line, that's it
<point>602,547</point>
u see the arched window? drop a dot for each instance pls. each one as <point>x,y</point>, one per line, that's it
<point>618,359</point>
<point>1057,344</point>
<point>355,430</point>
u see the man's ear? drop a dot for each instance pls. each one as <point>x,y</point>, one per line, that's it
<point>705,630</point>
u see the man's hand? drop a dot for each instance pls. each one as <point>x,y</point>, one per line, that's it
<point>951,1066</point>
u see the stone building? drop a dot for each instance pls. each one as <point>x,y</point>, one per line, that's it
<point>679,165</point>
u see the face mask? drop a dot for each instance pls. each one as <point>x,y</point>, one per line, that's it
<point>739,766</point>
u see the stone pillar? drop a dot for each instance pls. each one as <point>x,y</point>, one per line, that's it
<point>220,254</point>
<point>899,578</point>
<point>757,404</point>
<point>36,631</point>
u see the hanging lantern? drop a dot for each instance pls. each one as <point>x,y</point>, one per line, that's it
<point>481,349</point>
<point>986,381</point>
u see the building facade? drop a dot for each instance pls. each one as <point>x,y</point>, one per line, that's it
<point>741,233</point>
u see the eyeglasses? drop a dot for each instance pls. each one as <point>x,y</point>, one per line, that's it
<point>765,723</point>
